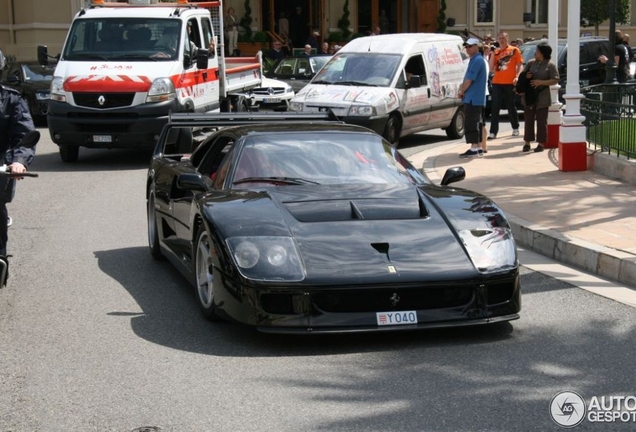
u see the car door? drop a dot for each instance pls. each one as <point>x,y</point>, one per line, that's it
<point>415,102</point>
<point>183,206</point>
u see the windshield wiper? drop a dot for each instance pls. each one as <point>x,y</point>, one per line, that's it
<point>356,83</point>
<point>134,56</point>
<point>288,180</point>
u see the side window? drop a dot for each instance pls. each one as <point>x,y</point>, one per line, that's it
<point>415,66</point>
<point>193,38</point>
<point>14,72</point>
<point>302,66</point>
<point>598,48</point>
<point>217,152</point>
<point>585,56</point>
<point>286,67</point>
<point>224,159</point>
<point>208,36</point>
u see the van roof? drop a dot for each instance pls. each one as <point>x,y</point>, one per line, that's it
<point>396,43</point>
<point>135,12</point>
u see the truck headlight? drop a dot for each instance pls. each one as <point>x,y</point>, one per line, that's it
<point>57,89</point>
<point>362,110</point>
<point>161,90</point>
<point>267,258</point>
<point>296,106</point>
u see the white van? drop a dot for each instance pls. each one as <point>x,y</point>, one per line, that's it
<point>395,84</point>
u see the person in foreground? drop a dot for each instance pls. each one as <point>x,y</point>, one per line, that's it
<point>15,123</point>
<point>473,94</point>
<point>539,74</point>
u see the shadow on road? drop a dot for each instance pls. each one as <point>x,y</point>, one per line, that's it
<point>171,318</point>
<point>94,160</point>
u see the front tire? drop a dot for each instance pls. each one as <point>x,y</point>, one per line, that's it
<point>204,274</point>
<point>153,228</point>
<point>69,153</point>
<point>392,130</point>
<point>456,129</point>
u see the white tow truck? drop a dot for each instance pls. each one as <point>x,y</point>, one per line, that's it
<point>125,67</point>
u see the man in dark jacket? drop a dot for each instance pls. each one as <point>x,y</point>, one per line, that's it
<point>15,123</point>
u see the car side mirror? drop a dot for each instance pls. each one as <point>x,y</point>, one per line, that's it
<point>453,175</point>
<point>192,181</point>
<point>415,81</point>
<point>43,55</point>
<point>202,57</point>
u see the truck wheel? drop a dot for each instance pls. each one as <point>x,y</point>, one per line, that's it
<point>392,130</point>
<point>456,129</point>
<point>69,153</point>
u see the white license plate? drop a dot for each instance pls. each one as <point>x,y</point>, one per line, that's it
<point>271,100</point>
<point>396,318</point>
<point>102,138</point>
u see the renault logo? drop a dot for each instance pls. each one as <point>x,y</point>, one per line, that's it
<point>101,100</point>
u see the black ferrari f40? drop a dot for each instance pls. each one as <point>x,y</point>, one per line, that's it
<point>292,223</point>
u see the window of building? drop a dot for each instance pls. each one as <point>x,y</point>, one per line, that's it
<point>539,9</point>
<point>485,11</point>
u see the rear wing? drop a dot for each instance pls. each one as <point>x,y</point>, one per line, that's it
<point>185,131</point>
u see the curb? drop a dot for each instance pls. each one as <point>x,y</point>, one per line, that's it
<point>600,260</point>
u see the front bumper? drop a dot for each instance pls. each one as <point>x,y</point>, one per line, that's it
<point>129,127</point>
<point>354,309</point>
<point>376,124</point>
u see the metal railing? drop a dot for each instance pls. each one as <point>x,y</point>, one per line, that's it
<point>610,118</point>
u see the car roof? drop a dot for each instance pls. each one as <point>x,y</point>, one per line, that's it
<point>563,41</point>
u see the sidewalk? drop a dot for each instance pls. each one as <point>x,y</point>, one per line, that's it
<point>585,219</point>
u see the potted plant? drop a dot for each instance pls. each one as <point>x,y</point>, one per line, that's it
<point>343,23</point>
<point>441,18</point>
<point>246,21</point>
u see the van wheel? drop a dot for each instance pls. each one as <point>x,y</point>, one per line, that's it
<point>456,129</point>
<point>392,130</point>
<point>69,153</point>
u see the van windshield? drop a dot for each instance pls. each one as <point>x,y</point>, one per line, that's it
<point>360,69</point>
<point>129,39</point>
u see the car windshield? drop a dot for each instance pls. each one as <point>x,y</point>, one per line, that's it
<point>38,73</point>
<point>318,62</point>
<point>528,50</point>
<point>129,39</point>
<point>359,69</point>
<point>325,158</point>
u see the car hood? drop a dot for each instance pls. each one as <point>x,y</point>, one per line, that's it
<point>338,95</point>
<point>39,86</point>
<point>358,234</point>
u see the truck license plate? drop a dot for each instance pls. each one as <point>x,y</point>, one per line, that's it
<point>102,138</point>
<point>396,318</point>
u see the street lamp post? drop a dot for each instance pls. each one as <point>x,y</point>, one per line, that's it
<point>610,66</point>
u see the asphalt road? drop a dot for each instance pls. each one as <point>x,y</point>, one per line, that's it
<point>96,336</point>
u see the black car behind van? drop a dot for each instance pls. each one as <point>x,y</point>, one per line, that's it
<point>591,71</point>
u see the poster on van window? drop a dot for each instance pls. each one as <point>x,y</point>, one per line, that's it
<point>447,70</point>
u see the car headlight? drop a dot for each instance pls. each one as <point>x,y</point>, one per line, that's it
<point>42,96</point>
<point>490,249</point>
<point>362,110</point>
<point>57,89</point>
<point>296,106</point>
<point>161,90</point>
<point>267,258</point>
<point>288,89</point>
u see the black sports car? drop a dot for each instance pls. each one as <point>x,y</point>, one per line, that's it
<point>33,81</point>
<point>291,223</point>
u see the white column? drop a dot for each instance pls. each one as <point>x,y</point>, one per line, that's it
<point>554,114</point>
<point>572,140</point>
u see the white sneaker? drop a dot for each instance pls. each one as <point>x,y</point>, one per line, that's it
<point>9,221</point>
<point>491,136</point>
<point>515,132</point>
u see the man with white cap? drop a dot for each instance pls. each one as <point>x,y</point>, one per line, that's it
<point>473,94</point>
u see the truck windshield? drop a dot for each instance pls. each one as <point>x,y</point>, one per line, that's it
<point>129,39</point>
<point>363,69</point>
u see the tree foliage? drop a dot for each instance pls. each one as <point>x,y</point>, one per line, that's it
<point>246,20</point>
<point>441,18</point>
<point>343,23</point>
<point>595,12</point>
